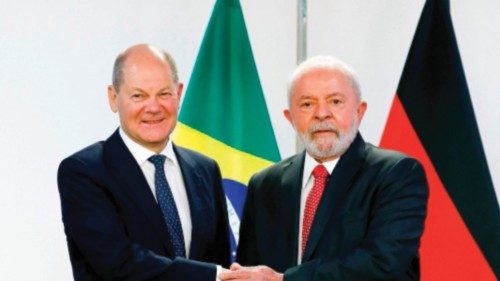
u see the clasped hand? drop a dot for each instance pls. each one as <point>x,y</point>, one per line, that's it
<point>255,273</point>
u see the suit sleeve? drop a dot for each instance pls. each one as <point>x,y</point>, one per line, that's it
<point>94,230</point>
<point>393,233</point>
<point>220,250</point>
<point>247,248</point>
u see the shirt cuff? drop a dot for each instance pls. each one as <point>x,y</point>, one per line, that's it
<point>219,270</point>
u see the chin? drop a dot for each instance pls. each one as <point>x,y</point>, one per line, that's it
<point>155,138</point>
<point>324,144</point>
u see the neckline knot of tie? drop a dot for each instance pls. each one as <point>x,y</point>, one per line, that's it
<point>157,160</point>
<point>320,172</point>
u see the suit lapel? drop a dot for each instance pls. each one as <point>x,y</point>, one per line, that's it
<point>289,195</point>
<point>197,200</point>
<point>338,185</point>
<point>132,182</point>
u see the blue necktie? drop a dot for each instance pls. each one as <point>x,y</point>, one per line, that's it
<point>167,205</point>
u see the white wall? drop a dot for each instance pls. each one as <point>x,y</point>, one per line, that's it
<point>56,59</point>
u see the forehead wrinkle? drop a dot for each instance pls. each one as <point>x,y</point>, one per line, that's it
<point>306,96</point>
<point>336,94</point>
<point>309,96</point>
<point>166,88</point>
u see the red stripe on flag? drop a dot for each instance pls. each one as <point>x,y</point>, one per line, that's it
<point>448,250</point>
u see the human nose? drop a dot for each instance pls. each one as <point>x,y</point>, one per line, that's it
<point>153,105</point>
<point>322,111</point>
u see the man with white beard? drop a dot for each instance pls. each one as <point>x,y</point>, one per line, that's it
<point>342,209</point>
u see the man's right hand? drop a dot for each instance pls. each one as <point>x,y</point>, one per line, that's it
<point>254,273</point>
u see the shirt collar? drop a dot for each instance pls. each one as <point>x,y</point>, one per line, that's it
<point>310,163</point>
<point>141,154</point>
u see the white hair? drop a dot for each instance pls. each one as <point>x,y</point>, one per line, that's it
<point>324,62</point>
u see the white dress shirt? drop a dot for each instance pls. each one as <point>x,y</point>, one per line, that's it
<point>174,178</point>
<point>307,184</point>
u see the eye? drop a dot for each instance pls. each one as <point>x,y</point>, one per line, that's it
<point>336,101</point>
<point>136,96</point>
<point>305,104</point>
<point>165,94</point>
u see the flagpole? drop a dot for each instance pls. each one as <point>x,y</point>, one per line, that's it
<point>301,45</point>
<point>301,31</point>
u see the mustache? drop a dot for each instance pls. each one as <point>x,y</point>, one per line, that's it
<point>323,126</point>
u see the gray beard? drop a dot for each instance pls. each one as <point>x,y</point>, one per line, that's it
<point>323,148</point>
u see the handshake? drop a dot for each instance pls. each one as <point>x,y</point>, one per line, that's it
<point>255,273</point>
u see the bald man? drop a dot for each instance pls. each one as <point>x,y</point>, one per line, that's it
<point>136,206</point>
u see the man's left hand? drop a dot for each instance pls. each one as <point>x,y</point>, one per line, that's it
<point>253,273</point>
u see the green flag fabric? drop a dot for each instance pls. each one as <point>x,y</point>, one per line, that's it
<point>224,114</point>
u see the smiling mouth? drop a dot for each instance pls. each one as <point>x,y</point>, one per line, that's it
<point>152,122</point>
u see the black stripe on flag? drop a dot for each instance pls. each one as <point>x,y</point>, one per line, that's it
<point>433,91</point>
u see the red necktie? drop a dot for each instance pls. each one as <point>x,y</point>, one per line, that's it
<point>320,178</point>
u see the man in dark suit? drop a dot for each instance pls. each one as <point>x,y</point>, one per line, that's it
<point>136,206</point>
<point>343,209</point>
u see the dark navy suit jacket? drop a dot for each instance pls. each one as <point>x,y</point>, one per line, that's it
<point>367,226</point>
<point>115,229</point>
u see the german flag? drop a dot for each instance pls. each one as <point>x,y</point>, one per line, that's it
<point>432,119</point>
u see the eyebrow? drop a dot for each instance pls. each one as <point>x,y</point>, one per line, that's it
<point>334,94</point>
<point>306,97</point>
<point>161,90</point>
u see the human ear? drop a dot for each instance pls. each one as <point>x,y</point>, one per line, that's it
<point>112,95</point>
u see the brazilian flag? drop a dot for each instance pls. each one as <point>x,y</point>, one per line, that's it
<point>224,114</point>
<point>432,118</point>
